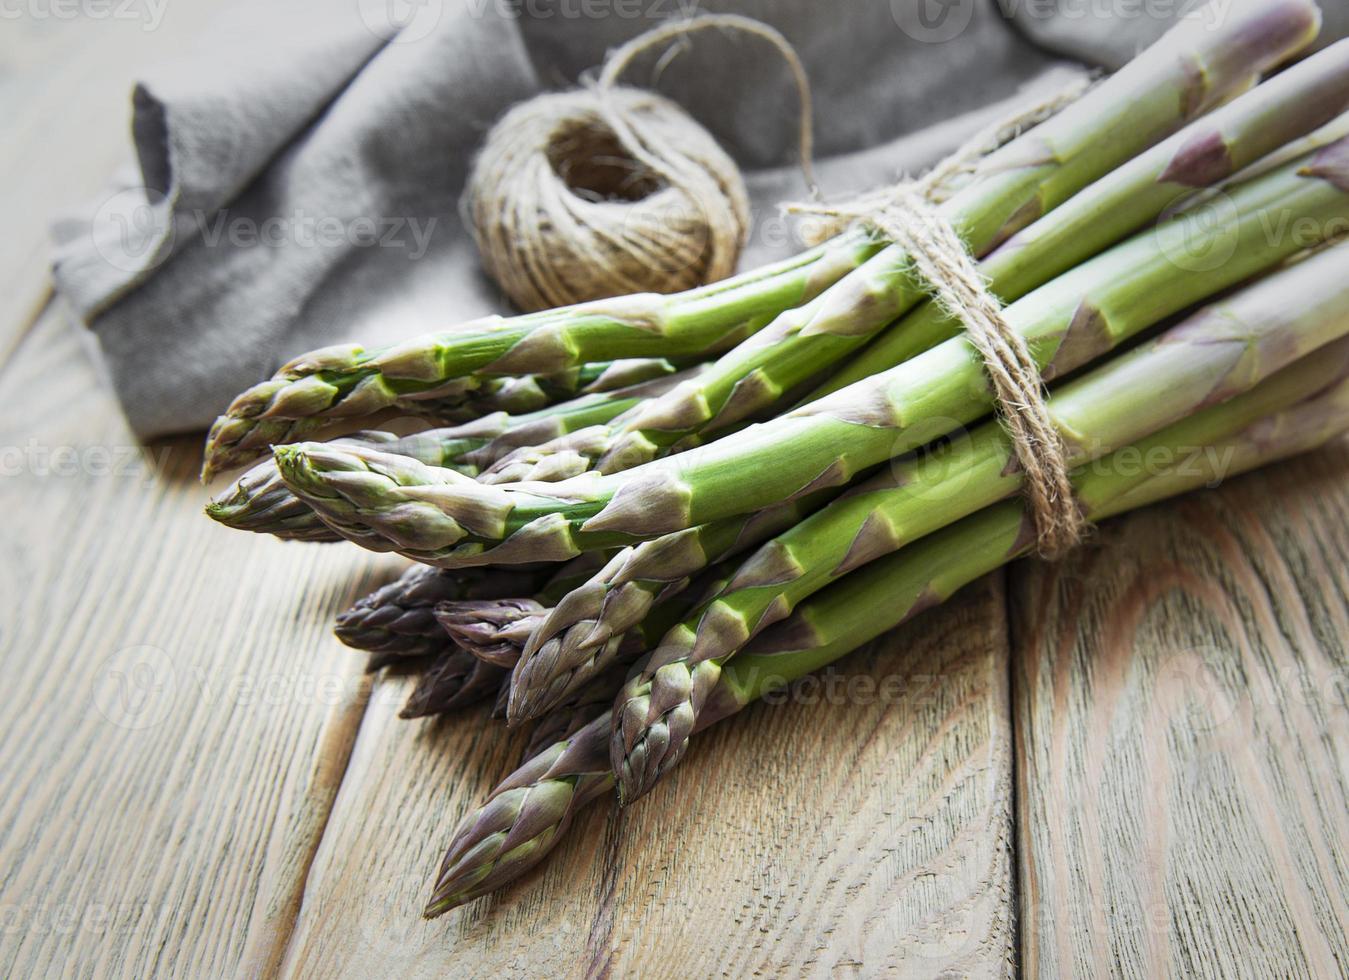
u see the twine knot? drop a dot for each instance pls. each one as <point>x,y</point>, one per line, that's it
<point>905,214</point>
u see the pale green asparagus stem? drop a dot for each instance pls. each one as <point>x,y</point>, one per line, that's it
<point>1204,154</point>
<point>524,817</point>
<point>439,517</point>
<point>348,381</point>
<point>1223,351</point>
<point>1102,131</point>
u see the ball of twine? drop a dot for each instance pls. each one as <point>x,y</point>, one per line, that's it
<point>563,212</point>
<point>609,190</point>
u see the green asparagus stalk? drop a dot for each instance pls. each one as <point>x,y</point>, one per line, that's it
<point>525,816</point>
<point>455,679</point>
<point>396,620</point>
<point>800,343</point>
<point>348,381</point>
<point>1274,114</point>
<point>1187,73</point>
<point>1308,405</point>
<point>580,636</point>
<point>441,518</point>
<point>260,502</point>
<point>1204,153</point>
<point>1222,351</point>
<point>471,398</point>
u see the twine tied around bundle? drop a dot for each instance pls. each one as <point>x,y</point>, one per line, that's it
<point>607,190</point>
<point>905,214</point>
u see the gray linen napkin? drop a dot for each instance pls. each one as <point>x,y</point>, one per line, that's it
<point>297,177</point>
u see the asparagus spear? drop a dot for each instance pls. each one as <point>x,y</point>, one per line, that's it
<point>802,342</point>
<point>576,711</point>
<point>473,397</point>
<point>526,815</point>
<point>1274,114</point>
<point>581,635</point>
<point>475,625</point>
<point>346,381</point>
<point>1204,66</point>
<point>455,679</point>
<point>259,501</point>
<point>396,620</point>
<point>1207,151</point>
<point>441,518</point>
<point>1222,351</point>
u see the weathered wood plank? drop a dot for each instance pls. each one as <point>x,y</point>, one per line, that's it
<point>177,715</point>
<point>837,834</point>
<point>1183,741</point>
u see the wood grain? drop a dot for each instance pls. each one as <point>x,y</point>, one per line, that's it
<point>836,834</point>
<point>1183,738</point>
<point>196,780</point>
<point>177,715</point>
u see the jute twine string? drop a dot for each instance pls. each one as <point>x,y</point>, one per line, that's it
<point>608,190</point>
<point>906,216</point>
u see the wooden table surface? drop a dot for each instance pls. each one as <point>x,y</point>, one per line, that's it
<point>1134,762</point>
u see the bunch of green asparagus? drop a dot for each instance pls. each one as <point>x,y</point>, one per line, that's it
<point>646,512</point>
